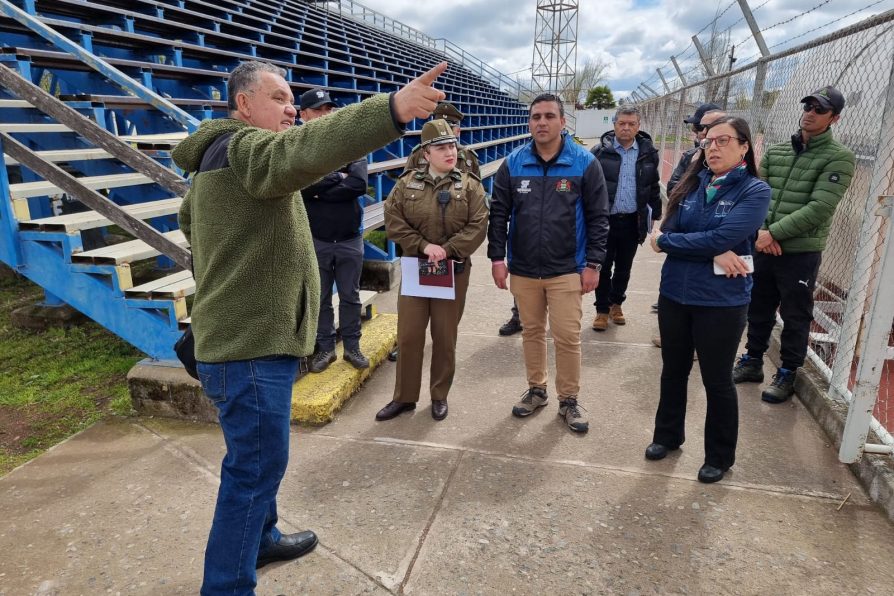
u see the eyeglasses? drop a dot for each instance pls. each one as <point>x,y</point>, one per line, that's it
<point>816,108</point>
<point>697,128</point>
<point>720,140</point>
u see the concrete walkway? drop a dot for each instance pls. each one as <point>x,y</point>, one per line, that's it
<point>482,503</point>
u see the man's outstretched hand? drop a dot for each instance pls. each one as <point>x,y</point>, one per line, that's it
<point>418,98</point>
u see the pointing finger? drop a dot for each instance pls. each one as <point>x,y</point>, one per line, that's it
<point>429,77</point>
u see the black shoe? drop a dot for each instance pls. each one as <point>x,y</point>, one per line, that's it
<point>290,546</point>
<point>356,358</point>
<point>709,474</point>
<point>748,370</point>
<point>392,355</point>
<point>321,361</point>
<point>439,409</point>
<point>511,327</point>
<point>657,451</point>
<point>782,387</point>
<point>394,409</point>
<point>655,307</point>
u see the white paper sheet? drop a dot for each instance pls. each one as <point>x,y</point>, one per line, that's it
<point>409,282</point>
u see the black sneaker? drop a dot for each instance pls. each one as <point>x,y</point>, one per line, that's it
<point>748,370</point>
<point>782,387</point>
<point>392,355</point>
<point>356,358</point>
<point>321,361</point>
<point>511,327</point>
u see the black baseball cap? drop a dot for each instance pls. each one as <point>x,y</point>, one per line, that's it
<point>700,111</point>
<point>315,98</point>
<point>827,97</point>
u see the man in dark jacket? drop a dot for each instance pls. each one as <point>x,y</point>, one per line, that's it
<point>549,217</point>
<point>808,175</point>
<point>698,122</point>
<point>336,217</point>
<point>630,163</point>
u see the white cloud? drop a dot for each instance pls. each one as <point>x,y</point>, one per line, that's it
<point>633,36</point>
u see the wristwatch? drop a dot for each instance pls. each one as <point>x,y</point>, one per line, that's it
<point>595,266</point>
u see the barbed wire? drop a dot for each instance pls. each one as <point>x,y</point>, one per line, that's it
<point>826,25</point>
<point>717,18</point>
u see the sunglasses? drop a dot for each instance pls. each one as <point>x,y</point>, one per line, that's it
<point>696,128</point>
<point>720,141</point>
<point>816,108</point>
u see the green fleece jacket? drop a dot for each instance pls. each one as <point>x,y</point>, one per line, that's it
<point>807,186</point>
<point>257,282</point>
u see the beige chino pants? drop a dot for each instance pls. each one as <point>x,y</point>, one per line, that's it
<point>558,300</point>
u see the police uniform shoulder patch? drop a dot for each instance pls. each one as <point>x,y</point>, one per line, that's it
<point>834,177</point>
<point>416,185</point>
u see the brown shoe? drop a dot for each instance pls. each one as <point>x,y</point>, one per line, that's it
<point>600,323</point>
<point>617,315</point>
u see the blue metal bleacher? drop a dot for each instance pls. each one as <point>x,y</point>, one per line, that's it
<point>147,71</point>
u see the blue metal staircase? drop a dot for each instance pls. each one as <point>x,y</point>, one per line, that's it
<point>147,71</point>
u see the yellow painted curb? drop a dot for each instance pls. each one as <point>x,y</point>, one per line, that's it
<point>317,397</point>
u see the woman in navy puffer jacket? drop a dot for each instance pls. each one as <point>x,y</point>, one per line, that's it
<point>712,217</point>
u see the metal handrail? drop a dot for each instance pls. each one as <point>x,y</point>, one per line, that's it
<point>364,14</point>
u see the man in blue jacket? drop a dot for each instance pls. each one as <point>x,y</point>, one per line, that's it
<point>549,219</point>
<point>629,161</point>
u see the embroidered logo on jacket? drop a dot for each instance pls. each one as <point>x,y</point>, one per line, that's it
<point>525,187</point>
<point>563,185</point>
<point>834,177</point>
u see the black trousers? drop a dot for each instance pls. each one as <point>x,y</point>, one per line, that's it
<point>340,263</point>
<point>713,333</point>
<point>785,282</point>
<point>623,239</point>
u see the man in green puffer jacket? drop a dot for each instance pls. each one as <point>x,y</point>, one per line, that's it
<point>808,177</point>
<point>258,289</point>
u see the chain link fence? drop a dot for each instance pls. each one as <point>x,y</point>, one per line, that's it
<point>858,60</point>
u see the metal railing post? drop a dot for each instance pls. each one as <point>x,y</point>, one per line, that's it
<point>866,246</point>
<point>874,354</point>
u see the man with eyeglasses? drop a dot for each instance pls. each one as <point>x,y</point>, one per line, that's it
<point>808,175</point>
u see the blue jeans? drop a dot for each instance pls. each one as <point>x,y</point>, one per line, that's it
<point>254,400</point>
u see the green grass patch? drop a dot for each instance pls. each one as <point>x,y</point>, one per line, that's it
<point>377,238</point>
<point>54,383</point>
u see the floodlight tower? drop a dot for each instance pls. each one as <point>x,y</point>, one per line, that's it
<point>555,46</point>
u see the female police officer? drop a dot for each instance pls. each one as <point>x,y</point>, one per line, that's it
<point>435,213</point>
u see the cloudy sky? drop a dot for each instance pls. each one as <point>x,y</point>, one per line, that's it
<point>633,37</point>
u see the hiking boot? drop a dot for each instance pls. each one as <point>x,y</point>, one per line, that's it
<point>617,315</point>
<point>574,415</point>
<point>782,387</point>
<point>748,370</point>
<point>533,398</point>
<point>321,361</point>
<point>511,327</point>
<point>600,323</point>
<point>356,358</point>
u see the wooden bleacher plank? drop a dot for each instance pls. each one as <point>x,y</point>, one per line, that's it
<point>491,167</point>
<point>126,252</point>
<point>366,298</point>
<point>176,285</point>
<point>14,103</point>
<point>90,219</point>
<point>25,190</point>
<point>169,139</point>
<point>66,155</point>
<point>28,128</point>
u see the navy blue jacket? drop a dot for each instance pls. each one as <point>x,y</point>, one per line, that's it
<point>698,232</point>
<point>548,218</point>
